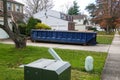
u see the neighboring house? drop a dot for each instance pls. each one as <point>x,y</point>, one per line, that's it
<point>79,22</point>
<point>56,20</point>
<point>16,9</point>
<point>83,23</point>
<point>3,34</point>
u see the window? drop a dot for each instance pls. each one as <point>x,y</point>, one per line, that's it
<point>63,16</point>
<point>9,6</point>
<point>70,18</point>
<point>17,8</point>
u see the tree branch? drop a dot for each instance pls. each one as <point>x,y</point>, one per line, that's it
<point>1,26</point>
<point>15,26</point>
<point>34,6</point>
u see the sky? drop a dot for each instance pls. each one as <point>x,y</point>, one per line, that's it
<point>59,5</point>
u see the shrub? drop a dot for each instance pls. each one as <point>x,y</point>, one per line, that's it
<point>31,24</point>
<point>91,28</point>
<point>94,29</point>
<point>42,26</point>
<point>22,28</point>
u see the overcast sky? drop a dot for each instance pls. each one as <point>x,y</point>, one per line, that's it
<point>60,4</point>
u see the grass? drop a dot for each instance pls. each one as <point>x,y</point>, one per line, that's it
<point>104,33</point>
<point>11,58</point>
<point>103,38</point>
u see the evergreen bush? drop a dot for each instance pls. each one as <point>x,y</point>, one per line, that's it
<point>31,24</point>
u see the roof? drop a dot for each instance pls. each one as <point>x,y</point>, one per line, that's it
<point>13,1</point>
<point>51,13</point>
<point>79,16</point>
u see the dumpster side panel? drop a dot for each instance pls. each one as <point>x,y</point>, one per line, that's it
<point>91,38</point>
<point>64,36</point>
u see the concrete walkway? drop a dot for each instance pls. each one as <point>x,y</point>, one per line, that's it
<point>97,48</point>
<point>111,69</point>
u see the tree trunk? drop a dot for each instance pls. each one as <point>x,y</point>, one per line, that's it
<point>19,40</point>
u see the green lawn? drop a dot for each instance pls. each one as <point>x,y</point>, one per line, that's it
<point>104,39</point>
<point>11,58</point>
<point>104,33</point>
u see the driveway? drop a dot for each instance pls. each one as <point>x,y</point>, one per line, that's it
<point>97,48</point>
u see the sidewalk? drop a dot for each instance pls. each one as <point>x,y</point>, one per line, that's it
<point>111,69</point>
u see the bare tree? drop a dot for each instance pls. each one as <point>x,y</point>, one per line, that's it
<point>65,7</point>
<point>19,40</point>
<point>34,6</point>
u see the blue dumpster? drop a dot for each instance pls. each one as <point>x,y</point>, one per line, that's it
<point>86,38</point>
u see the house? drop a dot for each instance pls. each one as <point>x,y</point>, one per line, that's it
<point>56,20</point>
<point>16,9</point>
<point>83,23</point>
<point>79,22</point>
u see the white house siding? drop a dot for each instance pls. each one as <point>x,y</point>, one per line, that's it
<point>55,23</point>
<point>3,34</point>
<point>52,18</point>
<point>42,14</point>
<point>79,25</point>
<point>98,28</point>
